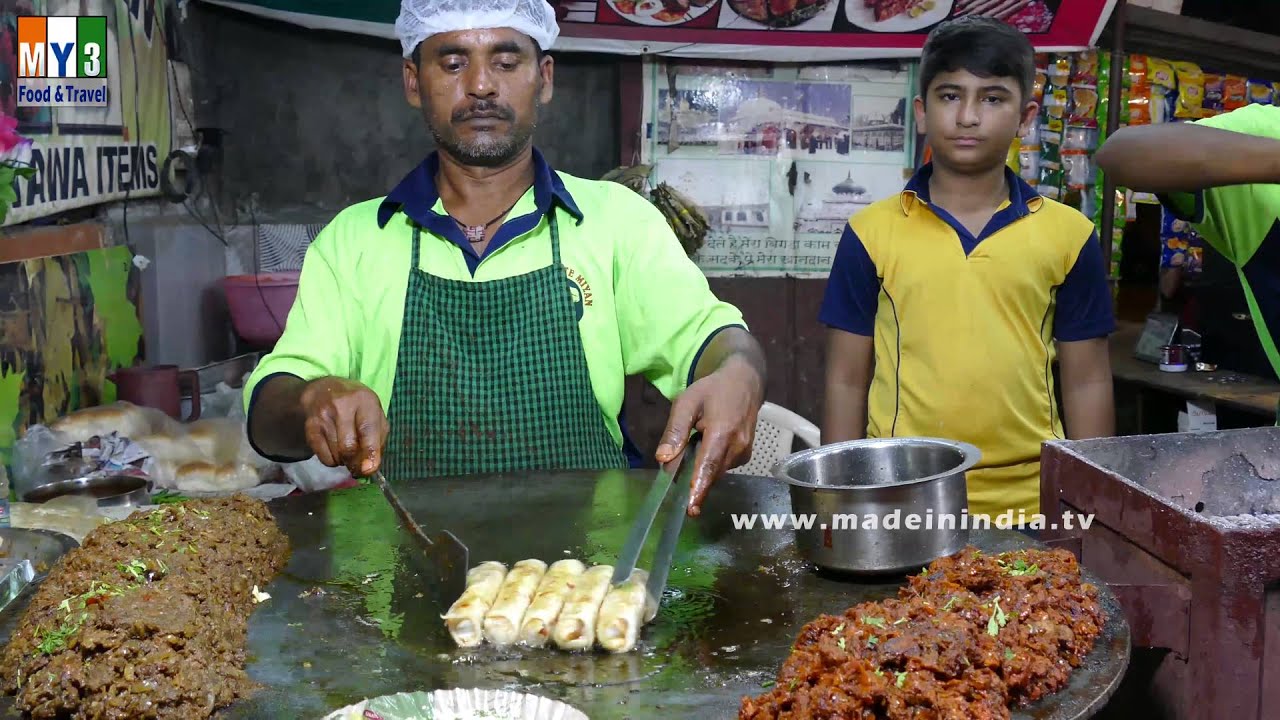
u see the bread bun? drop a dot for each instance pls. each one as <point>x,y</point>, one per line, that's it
<point>177,450</point>
<point>121,417</point>
<point>204,477</point>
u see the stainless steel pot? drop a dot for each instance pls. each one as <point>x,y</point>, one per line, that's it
<point>879,506</point>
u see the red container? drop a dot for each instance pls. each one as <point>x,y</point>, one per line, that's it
<point>260,304</point>
<point>162,387</point>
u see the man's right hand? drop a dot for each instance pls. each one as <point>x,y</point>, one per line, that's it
<point>345,425</point>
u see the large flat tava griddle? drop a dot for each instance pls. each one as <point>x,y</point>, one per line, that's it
<point>349,620</point>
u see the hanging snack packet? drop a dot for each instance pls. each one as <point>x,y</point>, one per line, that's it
<point>1160,74</point>
<point>1029,166</point>
<point>1084,106</point>
<point>1085,71</point>
<point>1059,69</point>
<point>1261,92</point>
<point>1080,137</point>
<point>1050,182</point>
<point>1037,90</point>
<point>1235,93</point>
<point>1140,104</point>
<point>1051,132</point>
<point>1077,169</point>
<point>1056,100</point>
<point>1214,94</point>
<point>1190,90</point>
<point>1137,69</point>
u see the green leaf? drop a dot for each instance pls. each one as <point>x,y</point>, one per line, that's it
<point>874,622</point>
<point>993,628</point>
<point>871,641</point>
<point>902,678</point>
<point>1008,654</point>
<point>25,171</point>
<point>769,683</point>
<point>841,643</point>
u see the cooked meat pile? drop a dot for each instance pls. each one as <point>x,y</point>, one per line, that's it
<point>148,618</point>
<point>967,639</point>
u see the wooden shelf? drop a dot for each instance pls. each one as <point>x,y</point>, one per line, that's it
<point>1211,45</point>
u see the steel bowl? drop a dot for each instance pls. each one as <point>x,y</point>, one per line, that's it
<point>110,490</point>
<point>879,506</point>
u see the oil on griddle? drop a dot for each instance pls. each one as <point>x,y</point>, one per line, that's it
<point>148,618</point>
<point>966,639</point>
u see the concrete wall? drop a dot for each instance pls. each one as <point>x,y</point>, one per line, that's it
<point>316,121</point>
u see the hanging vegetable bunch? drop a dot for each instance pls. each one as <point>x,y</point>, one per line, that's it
<point>686,219</point>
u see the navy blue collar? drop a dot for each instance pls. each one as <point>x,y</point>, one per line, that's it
<point>1022,197</point>
<point>416,194</point>
<point>1023,200</point>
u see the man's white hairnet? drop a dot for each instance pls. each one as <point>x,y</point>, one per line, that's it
<point>420,19</point>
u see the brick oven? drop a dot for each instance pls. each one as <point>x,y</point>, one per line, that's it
<point>1186,531</point>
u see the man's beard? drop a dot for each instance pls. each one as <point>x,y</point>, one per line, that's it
<point>486,149</point>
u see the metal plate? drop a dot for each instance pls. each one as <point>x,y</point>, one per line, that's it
<point>26,556</point>
<point>735,601</point>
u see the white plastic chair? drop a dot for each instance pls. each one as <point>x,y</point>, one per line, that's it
<point>776,431</point>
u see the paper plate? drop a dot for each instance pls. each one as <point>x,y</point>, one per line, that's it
<point>471,704</point>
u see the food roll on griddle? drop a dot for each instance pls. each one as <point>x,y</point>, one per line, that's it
<point>622,613</point>
<point>575,628</point>
<point>502,622</point>
<point>548,600</point>
<point>465,618</point>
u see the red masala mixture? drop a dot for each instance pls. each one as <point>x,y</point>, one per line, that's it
<point>967,639</point>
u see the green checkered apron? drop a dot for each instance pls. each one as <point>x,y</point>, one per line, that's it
<point>492,377</point>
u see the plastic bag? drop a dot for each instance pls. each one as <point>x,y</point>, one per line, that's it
<point>311,475</point>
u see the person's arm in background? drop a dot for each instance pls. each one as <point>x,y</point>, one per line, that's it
<point>1205,172</point>
<point>1082,322</point>
<point>299,400</point>
<point>689,344</point>
<point>849,312</point>
<point>850,364</point>
<point>1186,157</point>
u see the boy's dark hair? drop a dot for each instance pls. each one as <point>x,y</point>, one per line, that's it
<point>983,46</point>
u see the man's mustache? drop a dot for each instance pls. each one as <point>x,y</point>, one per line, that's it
<point>484,110</point>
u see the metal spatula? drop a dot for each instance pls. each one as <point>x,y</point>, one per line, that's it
<point>447,558</point>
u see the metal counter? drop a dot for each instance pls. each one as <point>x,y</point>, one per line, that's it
<point>351,619</point>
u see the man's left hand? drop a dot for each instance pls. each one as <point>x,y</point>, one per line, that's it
<point>722,406</point>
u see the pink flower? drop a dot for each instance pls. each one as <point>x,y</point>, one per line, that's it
<point>19,154</point>
<point>9,137</point>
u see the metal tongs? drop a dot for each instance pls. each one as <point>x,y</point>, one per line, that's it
<point>679,473</point>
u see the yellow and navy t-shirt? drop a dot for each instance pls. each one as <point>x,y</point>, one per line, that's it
<point>644,308</point>
<point>964,326</point>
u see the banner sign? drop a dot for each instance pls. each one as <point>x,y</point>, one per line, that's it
<point>777,158</point>
<point>765,30</point>
<point>88,81</point>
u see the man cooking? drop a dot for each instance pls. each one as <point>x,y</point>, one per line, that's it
<point>483,315</point>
